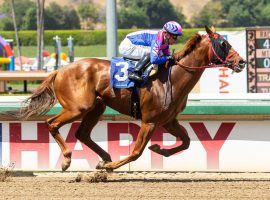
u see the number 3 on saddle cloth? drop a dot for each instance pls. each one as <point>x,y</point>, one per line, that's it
<point>120,69</point>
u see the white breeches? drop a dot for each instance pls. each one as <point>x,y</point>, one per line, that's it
<point>129,50</point>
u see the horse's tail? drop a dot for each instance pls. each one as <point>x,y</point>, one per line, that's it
<point>41,101</point>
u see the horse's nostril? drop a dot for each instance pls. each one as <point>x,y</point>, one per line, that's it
<point>242,62</point>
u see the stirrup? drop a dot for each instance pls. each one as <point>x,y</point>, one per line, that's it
<point>135,77</point>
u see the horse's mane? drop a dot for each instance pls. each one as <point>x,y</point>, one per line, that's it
<point>188,47</point>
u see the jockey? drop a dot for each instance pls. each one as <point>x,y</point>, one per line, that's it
<point>151,47</point>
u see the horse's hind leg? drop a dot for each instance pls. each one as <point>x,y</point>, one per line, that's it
<point>54,123</point>
<point>86,126</point>
<point>143,137</point>
<point>178,131</point>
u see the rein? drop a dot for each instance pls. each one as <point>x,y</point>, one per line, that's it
<point>211,64</point>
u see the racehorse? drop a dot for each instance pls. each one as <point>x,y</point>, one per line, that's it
<point>83,90</point>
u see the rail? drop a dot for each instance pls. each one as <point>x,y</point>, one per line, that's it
<point>23,76</point>
<point>229,96</point>
<point>192,97</point>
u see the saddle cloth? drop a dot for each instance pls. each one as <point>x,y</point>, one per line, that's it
<point>120,69</point>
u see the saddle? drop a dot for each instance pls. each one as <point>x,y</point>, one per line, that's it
<point>120,69</point>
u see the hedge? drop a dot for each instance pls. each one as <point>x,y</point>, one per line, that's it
<point>83,37</point>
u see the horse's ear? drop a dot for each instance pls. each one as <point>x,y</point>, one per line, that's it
<point>208,30</point>
<point>213,29</point>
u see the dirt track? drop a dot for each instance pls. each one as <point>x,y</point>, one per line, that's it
<point>140,185</point>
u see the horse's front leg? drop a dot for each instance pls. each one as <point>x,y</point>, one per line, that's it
<point>143,137</point>
<point>178,131</point>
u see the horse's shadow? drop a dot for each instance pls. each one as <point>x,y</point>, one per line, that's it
<point>156,180</point>
<point>168,180</point>
<point>99,177</point>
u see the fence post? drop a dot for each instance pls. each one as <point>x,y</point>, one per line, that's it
<point>57,48</point>
<point>70,49</point>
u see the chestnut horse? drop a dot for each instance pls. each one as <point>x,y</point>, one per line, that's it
<point>83,89</point>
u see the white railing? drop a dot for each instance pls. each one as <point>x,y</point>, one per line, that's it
<point>229,96</point>
<point>191,97</point>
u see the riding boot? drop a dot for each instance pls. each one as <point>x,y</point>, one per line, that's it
<point>139,68</point>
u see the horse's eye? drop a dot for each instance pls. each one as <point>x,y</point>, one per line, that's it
<point>223,44</point>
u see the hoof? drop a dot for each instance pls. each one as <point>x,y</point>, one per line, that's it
<point>102,165</point>
<point>65,165</point>
<point>155,148</point>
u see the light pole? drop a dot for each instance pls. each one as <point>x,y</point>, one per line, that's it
<point>111,24</point>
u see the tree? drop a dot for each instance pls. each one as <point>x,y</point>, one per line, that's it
<point>57,17</point>
<point>246,13</point>
<point>30,20</point>
<point>137,17</point>
<point>160,12</point>
<point>264,16</point>
<point>88,11</point>
<point>20,8</point>
<point>211,14</point>
<point>157,13</point>
<point>234,13</point>
<point>72,20</point>
<point>89,14</point>
<point>6,24</point>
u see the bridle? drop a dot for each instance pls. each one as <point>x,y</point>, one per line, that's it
<point>222,62</point>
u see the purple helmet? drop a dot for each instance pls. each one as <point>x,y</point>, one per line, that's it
<point>173,28</point>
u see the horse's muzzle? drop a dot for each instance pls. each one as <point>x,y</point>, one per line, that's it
<point>236,66</point>
<point>241,65</point>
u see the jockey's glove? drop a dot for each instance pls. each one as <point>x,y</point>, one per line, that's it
<point>170,61</point>
<point>171,58</point>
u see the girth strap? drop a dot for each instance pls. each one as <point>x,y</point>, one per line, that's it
<point>135,103</point>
